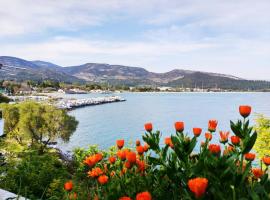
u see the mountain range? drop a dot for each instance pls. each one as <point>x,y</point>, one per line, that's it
<point>20,70</point>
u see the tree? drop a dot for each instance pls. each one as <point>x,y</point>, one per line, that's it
<point>262,145</point>
<point>31,124</point>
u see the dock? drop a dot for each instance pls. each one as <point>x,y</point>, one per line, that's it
<point>70,104</point>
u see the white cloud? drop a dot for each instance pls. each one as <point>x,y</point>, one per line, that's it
<point>231,36</point>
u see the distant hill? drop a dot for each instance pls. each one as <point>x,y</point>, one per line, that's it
<point>119,74</point>
<point>44,64</point>
<point>20,69</point>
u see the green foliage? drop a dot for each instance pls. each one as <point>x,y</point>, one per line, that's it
<point>35,176</point>
<point>262,145</point>
<point>4,99</point>
<point>36,125</point>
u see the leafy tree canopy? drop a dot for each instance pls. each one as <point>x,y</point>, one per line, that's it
<point>31,124</point>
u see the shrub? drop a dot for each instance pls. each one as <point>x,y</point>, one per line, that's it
<point>262,145</point>
<point>35,176</point>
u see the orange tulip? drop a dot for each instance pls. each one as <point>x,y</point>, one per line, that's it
<point>208,136</point>
<point>112,159</point>
<point>141,165</point>
<point>95,172</point>
<point>140,150</point>
<point>257,172</point>
<point>197,132</point>
<point>235,140</point>
<point>198,186</point>
<point>250,156</point>
<point>266,160</point>
<point>128,165</point>
<point>120,143</point>
<point>103,179</point>
<point>228,150</point>
<point>168,141</point>
<point>148,127</point>
<point>224,136</point>
<point>131,157</point>
<point>90,161</point>
<point>98,157</point>
<point>121,155</point>
<point>179,126</point>
<point>144,196</point>
<point>244,111</point>
<point>146,147</point>
<point>125,198</point>
<point>138,143</point>
<point>214,149</point>
<point>212,125</point>
<point>68,186</point>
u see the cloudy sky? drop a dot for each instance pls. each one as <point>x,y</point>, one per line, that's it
<point>225,36</point>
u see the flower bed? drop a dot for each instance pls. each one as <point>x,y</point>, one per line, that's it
<point>173,170</point>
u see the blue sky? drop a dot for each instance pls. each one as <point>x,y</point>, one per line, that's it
<point>224,36</point>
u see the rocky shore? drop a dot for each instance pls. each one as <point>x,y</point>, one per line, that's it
<point>77,103</point>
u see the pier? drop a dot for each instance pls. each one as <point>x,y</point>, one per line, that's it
<point>78,103</point>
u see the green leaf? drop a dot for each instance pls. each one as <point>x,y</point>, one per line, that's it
<point>250,143</point>
<point>236,128</point>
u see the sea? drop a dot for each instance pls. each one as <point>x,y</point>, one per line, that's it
<point>103,124</point>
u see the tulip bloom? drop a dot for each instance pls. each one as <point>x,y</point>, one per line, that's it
<point>228,150</point>
<point>103,179</point>
<point>208,136</point>
<point>257,172</point>
<point>144,196</point>
<point>212,125</point>
<point>145,147</point>
<point>95,172</point>
<point>244,111</point>
<point>120,143</point>
<point>168,141</point>
<point>179,126</point>
<point>214,149</point>
<point>138,143</point>
<point>131,157</point>
<point>98,157</point>
<point>266,160</point>
<point>224,136</point>
<point>141,165</point>
<point>128,165</point>
<point>198,186</point>
<point>112,159</point>
<point>148,127</point>
<point>197,132</point>
<point>121,155</point>
<point>90,160</point>
<point>235,140</point>
<point>140,150</point>
<point>68,186</point>
<point>250,156</point>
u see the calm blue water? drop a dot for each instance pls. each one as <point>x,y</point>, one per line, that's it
<point>103,124</point>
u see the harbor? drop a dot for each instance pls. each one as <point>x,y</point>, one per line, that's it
<point>70,104</point>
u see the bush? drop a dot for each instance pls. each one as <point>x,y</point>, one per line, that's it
<point>175,170</point>
<point>35,176</point>
<point>262,145</point>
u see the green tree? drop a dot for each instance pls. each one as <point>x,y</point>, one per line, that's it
<point>262,145</point>
<point>31,124</point>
